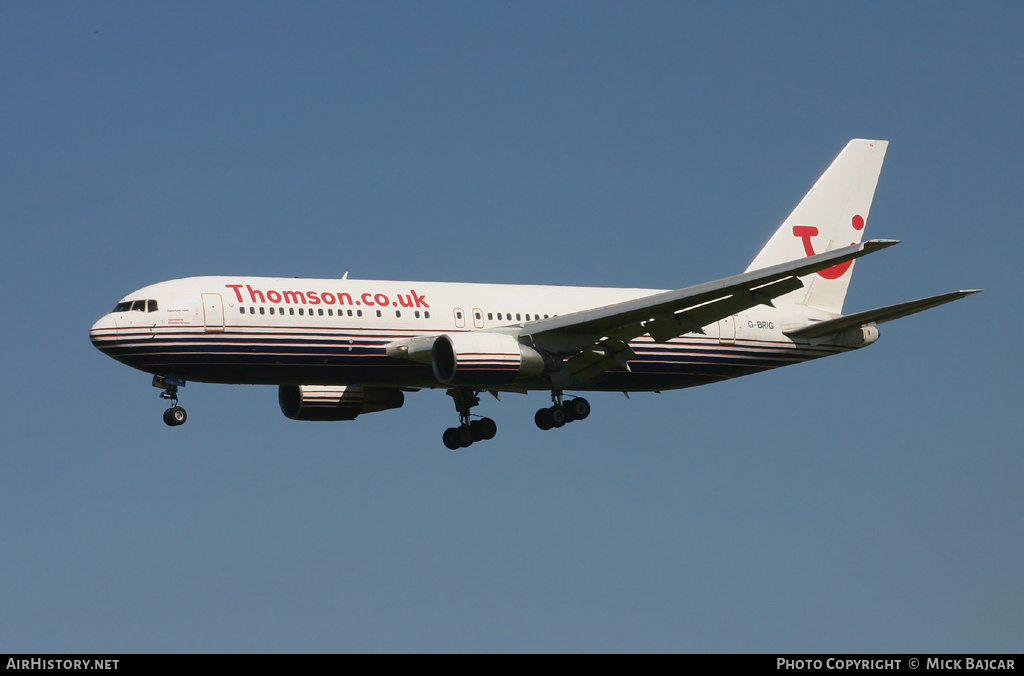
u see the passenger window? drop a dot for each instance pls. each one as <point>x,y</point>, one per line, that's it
<point>242,310</point>
<point>252,310</point>
<point>378,313</point>
<point>291,310</point>
<point>271,310</point>
<point>359,313</point>
<point>490,316</point>
<point>320,312</point>
<point>301,312</point>
<point>426,314</point>
<point>398,313</point>
<point>261,311</point>
<point>518,318</point>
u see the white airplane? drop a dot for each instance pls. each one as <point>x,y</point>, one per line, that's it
<point>338,348</point>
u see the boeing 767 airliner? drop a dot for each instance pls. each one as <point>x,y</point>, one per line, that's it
<point>338,348</point>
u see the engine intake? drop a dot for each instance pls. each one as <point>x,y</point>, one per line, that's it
<point>335,402</point>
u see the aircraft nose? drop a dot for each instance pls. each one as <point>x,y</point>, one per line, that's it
<point>104,329</point>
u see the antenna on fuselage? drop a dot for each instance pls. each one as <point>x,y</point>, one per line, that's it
<point>345,276</point>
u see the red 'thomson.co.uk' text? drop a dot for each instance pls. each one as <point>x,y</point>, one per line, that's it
<point>411,299</point>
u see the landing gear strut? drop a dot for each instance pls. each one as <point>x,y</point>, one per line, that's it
<point>175,415</point>
<point>561,412</point>
<point>468,430</point>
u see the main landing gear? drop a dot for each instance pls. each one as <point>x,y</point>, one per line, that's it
<point>561,412</point>
<point>175,415</point>
<point>469,430</point>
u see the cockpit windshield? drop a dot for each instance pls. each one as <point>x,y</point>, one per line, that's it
<point>136,306</point>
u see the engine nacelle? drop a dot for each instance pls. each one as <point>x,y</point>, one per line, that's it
<point>486,359</point>
<point>335,402</point>
<point>861,336</point>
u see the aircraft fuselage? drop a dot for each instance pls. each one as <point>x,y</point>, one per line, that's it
<point>260,330</point>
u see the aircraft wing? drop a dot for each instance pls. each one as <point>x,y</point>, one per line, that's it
<point>876,316</point>
<point>596,340</point>
<point>670,314</point>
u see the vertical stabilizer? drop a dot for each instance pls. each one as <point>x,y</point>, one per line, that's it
<point>832,215</point>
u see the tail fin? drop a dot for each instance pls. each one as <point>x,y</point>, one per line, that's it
<point>832,215</point>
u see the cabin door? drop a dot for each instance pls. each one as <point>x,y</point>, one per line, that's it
<point>727,330</point>
<point>213,312</point>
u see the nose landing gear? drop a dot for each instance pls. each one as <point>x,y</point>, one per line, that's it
<point>175,415</point>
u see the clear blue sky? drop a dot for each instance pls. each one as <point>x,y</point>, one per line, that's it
<point>867,502</point>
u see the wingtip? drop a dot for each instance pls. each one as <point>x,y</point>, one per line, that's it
<point>877,244</point>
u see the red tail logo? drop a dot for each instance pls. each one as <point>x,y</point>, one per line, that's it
<point>805,232</point>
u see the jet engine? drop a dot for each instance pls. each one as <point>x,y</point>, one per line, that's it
<point>862,336</point>
<point>486,359</point>
<point>335,402</point>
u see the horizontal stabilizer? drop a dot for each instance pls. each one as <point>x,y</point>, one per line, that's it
<point>876,316</point>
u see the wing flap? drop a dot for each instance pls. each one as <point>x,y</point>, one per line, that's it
<point>596,359</point>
